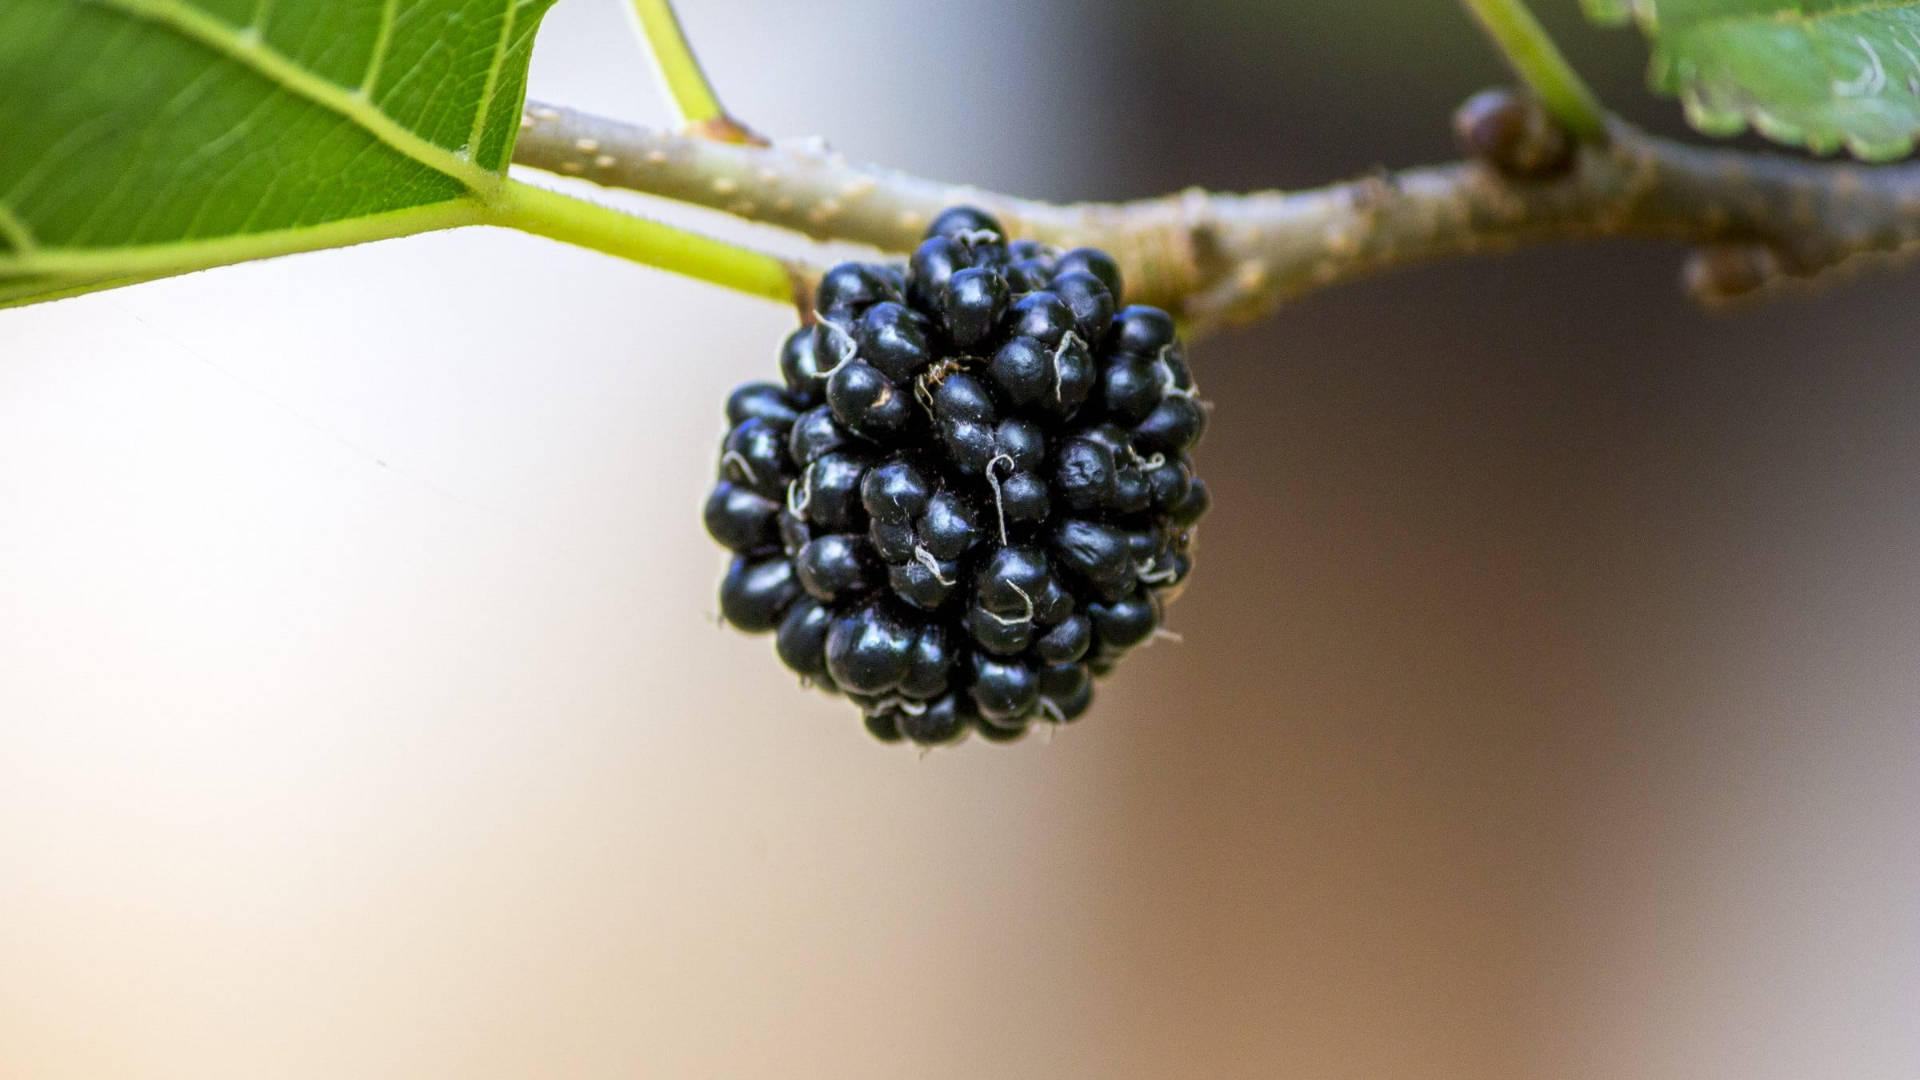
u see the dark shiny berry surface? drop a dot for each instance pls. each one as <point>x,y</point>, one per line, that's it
<point>969,494</point>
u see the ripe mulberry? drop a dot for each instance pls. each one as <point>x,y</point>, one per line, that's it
<point>972,493</point>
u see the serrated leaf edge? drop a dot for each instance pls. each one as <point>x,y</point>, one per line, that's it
<point>1665,76</point>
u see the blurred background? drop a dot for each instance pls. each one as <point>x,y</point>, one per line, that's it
<point>1547,705</point>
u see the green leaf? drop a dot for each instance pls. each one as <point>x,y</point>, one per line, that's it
<point>140,138</point>
<point>1823,74</point>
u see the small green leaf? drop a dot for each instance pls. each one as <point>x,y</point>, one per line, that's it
<point>140,138</point>
<point>1823,74</point>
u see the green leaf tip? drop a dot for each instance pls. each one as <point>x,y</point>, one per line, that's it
<point>1826,75</point>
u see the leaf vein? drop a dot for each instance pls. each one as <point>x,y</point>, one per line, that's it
<point>226,41</point>
<point>382,42</point>
<point>15,231</point>
<point>492,86</point>
<point>262,11</point>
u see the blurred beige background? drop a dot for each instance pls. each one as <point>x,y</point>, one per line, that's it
<point>1547,706</point>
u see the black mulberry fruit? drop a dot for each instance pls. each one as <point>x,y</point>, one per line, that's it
<point>971,494</point>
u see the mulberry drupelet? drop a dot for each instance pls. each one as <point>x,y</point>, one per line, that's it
<point>972,494</point>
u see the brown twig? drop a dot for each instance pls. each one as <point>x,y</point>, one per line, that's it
<point>1214,257</point>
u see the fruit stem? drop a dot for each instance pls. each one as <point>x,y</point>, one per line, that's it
<point>693,96</point>
<point>1539,62</point>
<point>543,212</point>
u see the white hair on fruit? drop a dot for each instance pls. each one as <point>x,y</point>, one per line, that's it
<point>999,500</point>
<point>739,461</point>
<point>1007,620</point>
